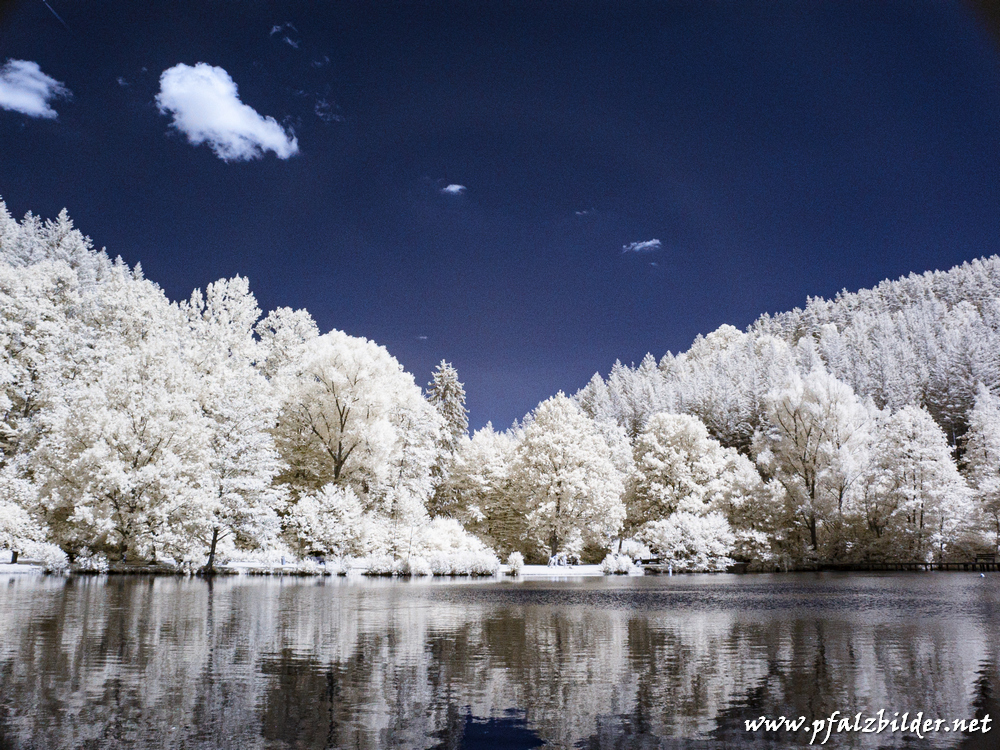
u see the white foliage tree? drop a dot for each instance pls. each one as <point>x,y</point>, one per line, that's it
<point>982,458</point>
<point>448,396</point>
<point>18,530</point>
<point>478,490</point>
<point>817,435</point>
<point>240,499</point>
<point>917,503</point>
<point>569,488</point>
<point>124,450</point>
<point>38,342</point>
<point>281,333</point>
<point>352,417</point>
<point>328,522</point>
<point>33,241</point>
<point>691,542</point>
<point>724,378</point>
<point>679,467</point>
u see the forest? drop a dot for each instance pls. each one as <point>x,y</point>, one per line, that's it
<point>195,432</point>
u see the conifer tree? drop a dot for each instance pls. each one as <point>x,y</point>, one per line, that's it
<point>448,396</point>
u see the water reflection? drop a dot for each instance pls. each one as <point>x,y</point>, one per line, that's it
<point>636,663</point>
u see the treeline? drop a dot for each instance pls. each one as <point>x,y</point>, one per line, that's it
<point>136,428</point>
<point>866,428</point>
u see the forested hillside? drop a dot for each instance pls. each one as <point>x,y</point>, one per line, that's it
<point>134,427</point>
<point>857,407</point>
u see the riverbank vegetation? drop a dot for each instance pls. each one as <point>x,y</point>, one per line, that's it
<point>135,428</point>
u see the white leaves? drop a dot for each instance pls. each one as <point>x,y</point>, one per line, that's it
<point>352,417</point>
<point>239,495</point>
<point>17,528</point>
<point>691,543</point>
<point>448,397</point>
<point>127,431</point>
<point>614,564</point>
<point>915,501</point>
<point>815,445</point>
<point>132,424</point>
<point>570,489</point>
<point>678,467</point>
<point>327,522</point>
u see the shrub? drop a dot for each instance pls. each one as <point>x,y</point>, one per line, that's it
<point>90,563</point>
<point>49,556</point>
<point>691,543</point>
<point>515,562</point>
<point>619,565</point>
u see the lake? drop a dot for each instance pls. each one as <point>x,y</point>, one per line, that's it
<point>623,662</point>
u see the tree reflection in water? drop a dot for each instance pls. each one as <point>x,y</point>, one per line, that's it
<point>639,663</point>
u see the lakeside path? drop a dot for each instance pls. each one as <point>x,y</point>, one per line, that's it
<point>20,568</point>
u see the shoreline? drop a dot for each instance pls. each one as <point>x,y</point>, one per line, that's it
<point>528,572</point>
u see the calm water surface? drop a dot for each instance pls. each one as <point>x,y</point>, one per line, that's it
<point>682,662</point>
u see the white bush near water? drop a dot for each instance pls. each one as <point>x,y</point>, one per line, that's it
<point>440,547</point>
<point>515,563</point>
<point>635,549</point>
<point>692,543</point>
<point>48,556</point>
<point>619,565</point>
<point>90,563</point>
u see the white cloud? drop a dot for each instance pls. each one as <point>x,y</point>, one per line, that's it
<point>26,89</point>
<point>641,247</point>
<point>453,189</point>
<point>207,109</point>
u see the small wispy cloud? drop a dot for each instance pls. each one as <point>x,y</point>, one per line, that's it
<point>206,107</point>
<point>327,112</point>
<point>642,247</point>
<point>287,31</point>
<point>453,189</point>
<point>586,212</point>
<point>421,338</point>
<point>26,89</point>
<point>122,82</point>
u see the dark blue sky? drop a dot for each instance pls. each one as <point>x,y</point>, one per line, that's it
<point>776,150</point>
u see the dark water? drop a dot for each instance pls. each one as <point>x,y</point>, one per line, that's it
<point>650,662</point>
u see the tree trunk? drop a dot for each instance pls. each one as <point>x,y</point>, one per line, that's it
<point>210,565</point>
<point>13,556</point>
